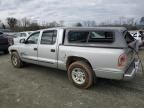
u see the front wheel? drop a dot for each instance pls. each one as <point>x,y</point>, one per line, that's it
<point>16,61</point>
<point>81,74</point>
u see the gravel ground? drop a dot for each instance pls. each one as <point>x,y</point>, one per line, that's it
<point>40,87</point>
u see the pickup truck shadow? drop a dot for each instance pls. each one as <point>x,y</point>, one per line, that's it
<point>136,85</point>
<point>48,71</point>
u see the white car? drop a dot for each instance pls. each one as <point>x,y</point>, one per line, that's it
<point>21,35</point>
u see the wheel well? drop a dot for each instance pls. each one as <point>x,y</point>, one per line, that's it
<point>13,51</point>
<point>72,59</point>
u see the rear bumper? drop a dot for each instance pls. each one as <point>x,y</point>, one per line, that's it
<point>131,72</point>
<point>118,74</point>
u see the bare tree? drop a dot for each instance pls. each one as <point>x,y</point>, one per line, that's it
<point>12,22</point>
<point>142,21</point>
<point>25,22</point>
<point>78,24</point>
<point>53,24</point>
<point>3,26</point>
<point>34,26</point>
<point>61,23</point>
<point>130,21</point>
<point>89,23</point>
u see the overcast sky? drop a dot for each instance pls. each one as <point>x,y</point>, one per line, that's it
<point>71,10</point>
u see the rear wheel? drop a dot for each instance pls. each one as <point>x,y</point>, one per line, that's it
<point>81,74</point>
<point>16,61</point>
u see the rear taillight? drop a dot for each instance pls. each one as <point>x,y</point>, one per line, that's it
<point>122,60</point>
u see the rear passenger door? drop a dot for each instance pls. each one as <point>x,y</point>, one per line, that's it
<point>47,49</point>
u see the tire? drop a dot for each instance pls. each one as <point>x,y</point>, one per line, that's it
<point>81,74</point>
<point>16,61</point>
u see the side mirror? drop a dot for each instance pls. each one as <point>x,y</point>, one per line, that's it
<point>22,41</point>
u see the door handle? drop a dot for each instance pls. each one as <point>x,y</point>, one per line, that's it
<point>35,49</point>
<point>52,50</point>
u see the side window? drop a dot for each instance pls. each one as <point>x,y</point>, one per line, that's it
<point>33,39</point>
<point>78,36</point>
<point>100,36</point>
<point>129,38</point>
<point>23,35</point>
<point>49,37</point>
<point>90,36</point>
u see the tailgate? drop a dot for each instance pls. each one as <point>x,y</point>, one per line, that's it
<point>130,56</point>
<point>131,49</point>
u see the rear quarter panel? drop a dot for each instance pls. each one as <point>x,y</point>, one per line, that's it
<point>102,60</point>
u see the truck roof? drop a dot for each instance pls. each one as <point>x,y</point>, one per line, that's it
<point>90,28</point>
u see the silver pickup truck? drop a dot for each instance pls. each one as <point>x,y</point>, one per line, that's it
<point>85,53</point>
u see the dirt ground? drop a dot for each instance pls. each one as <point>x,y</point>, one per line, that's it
<point>41,87</point>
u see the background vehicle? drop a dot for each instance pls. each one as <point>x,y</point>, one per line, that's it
<point>21,35</point>
<point>12,34</point>
<point>85,53</point>
<point>5,42</point>
<point>5,30</point>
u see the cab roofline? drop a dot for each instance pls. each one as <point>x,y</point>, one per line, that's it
<point>88,28</point>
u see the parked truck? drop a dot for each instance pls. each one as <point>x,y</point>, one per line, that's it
<point>85,53</point>
<point>5,42</point>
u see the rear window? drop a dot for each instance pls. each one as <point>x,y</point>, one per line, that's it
<point>90,36</point>
<point>77,36</point>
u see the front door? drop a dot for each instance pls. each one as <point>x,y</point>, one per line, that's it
<point>47,50</point>
<point>29,50</point>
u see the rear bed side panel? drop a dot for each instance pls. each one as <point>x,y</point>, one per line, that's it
<point>103,60</point>
<point>102,57</point>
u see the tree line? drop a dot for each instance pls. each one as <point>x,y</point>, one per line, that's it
<point>129,23</point>
<point>26,24</point>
